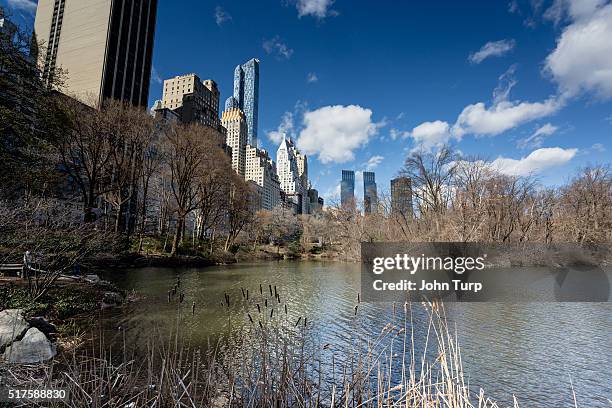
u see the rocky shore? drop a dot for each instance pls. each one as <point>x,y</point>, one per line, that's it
<point>26,341</point>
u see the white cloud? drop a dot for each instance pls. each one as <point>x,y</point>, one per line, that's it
<point>286,128</point>
<point>536,162</point>
<point>598,147</point>
<point>316,8</point>
<point>536,139</point>
<point>492,49</point>
<point>312,77</point>
<point>25,5</point>
<point>398,134</point>
<point>582,59</point>
<point>373,162</point>
<point>277,47</point>
<point>333,132</point>
<point>480,120</point>
<point>221,16</point>
<point>155,76</point>
<point>431,134</point>
<point>505,83</point>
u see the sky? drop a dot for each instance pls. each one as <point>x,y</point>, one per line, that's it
<point>525,85</point>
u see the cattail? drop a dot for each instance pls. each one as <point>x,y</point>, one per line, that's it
<point>169,295</point>
<point>260,325</point>
<point>358,298</point>
<point>250,318</point>
<point>247,294</point>
<point>356,309</point>
<point>258,308</point>
<point>271,313</point>
<point>193,308</point>
<point>242,289</point>
<point>305,321</point>
<point>181,297</point>
<point>270,286</point>
<point>260,289</point>
<point>285,308</point>
<point>298,321</point>
<point>275,292</point>
<point>266,302</point>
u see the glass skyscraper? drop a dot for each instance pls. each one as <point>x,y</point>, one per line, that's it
<point>246,93</point>
<point>347,189</point>
<point>369,191</point>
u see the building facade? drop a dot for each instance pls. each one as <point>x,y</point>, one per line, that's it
<point>347,189</point>
<point>401,196</point>
<point>370,200</point>
<point>104,47</point>
<point>261,170</point>
<point>288,163</point>
<point>194,100</point>
<point>234,122</point>
<point>246,95</point>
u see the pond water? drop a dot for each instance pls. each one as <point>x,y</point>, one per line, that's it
<point>530,350</point>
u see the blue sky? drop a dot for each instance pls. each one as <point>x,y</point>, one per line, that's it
<point>526,85</point>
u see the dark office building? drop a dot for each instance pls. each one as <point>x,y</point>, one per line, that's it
<point>401,196</point>
<point>347,189</point>
<point>369,192</point>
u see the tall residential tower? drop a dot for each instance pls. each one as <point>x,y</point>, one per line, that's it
<point>104,47</point>
<point>246,95</point>
<point>233,120</point>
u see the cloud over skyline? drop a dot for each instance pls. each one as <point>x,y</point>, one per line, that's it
<point>492,49</point>
<point>536,162</point>
<point>275,46</point>
<point>333,133</point>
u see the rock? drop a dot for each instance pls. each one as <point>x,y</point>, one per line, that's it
<point>43,325</point>
<point>12,326</point>
<point>92,278</point>
<point>33,348</point>
<point>112,298</point>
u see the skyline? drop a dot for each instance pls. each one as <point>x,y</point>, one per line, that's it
<point>492,82</point>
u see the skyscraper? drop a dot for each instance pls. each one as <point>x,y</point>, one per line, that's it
<point>288,170</point>
<point>233,120</point>
<point>401,196</point>
<point>246,95</point>
<point>347,189</point>
<point>104,47</point>
<point>369,192</point>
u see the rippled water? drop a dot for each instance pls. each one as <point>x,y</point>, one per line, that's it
<point>530,350</point>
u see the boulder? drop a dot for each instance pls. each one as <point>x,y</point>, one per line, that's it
<point>43,325</point>
<point>33,348</point>
<point>12,326</point>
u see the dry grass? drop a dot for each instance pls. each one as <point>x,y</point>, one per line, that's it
<point>273,362</point>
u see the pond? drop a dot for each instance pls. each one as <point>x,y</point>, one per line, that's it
<point>531,350</point>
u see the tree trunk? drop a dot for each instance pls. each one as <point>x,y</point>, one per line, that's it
<point>180,226</point>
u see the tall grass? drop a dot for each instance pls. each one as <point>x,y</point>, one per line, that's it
<point>271,362</point>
